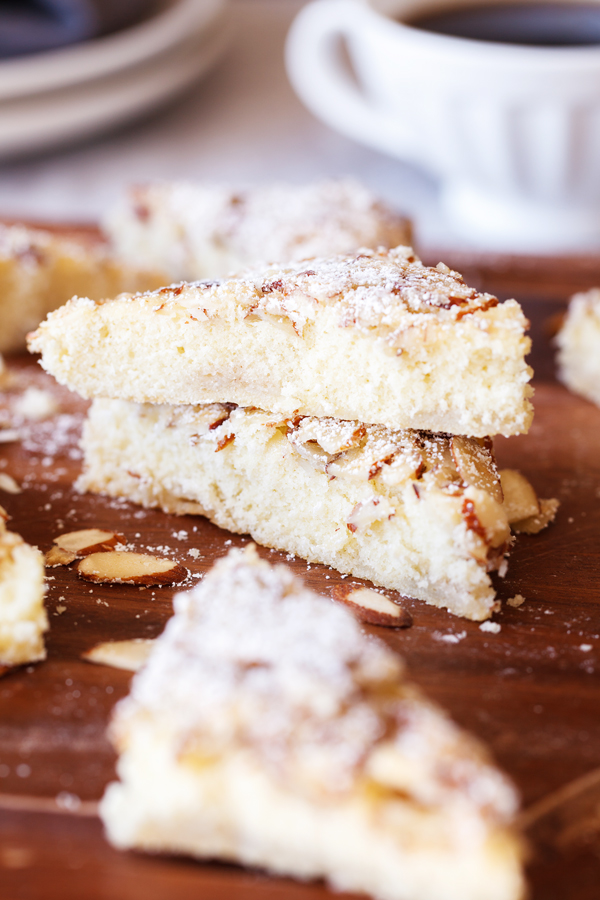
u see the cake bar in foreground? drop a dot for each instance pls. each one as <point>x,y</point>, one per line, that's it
<point>377,337</point>
<point>579,346</point>
<point>40,270</point>
<point>267,729</point>
<point>23,619</point>
<point>208,231</point>
<point>415,512</point>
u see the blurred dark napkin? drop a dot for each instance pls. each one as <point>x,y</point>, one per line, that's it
<point>31,26</point>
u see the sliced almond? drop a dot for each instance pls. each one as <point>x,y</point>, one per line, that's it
<point>88,540</point>
<point>123,567</point>
<point>520,500</point>
<point>8,484</point>
<point>533,524</point>
<point>56,556</point>
<point>374,608</point>
<point>476,465</point>
<point>130,655</point>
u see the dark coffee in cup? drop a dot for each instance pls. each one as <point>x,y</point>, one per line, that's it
<point>529,24</point>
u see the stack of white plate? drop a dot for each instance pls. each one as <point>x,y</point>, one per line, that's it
<point>50,98</point>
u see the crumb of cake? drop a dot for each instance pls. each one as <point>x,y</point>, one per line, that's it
<point>516,601</point>
<point>36,403</point>
<point>490,627</point>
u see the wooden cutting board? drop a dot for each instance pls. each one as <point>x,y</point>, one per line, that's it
<point>532,692</point>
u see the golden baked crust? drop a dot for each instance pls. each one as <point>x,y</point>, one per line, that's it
<point>268,729</point>
<point>376,337</point>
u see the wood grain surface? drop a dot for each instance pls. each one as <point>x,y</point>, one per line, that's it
<point>532,691</point>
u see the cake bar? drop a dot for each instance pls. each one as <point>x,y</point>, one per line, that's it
<point>579,346</point>
<point>268,730</point>
<point>23,619</point>
<point>40,270</point>
<point>377,337</point>
<point>412,511</point>
<point>195,231</point>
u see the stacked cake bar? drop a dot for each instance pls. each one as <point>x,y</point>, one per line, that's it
<point>23,619</point>
<point>338,408</point>
<point>268,729</point>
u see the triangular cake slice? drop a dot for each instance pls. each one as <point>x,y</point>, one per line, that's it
<point>41,269</point>
<point>267,729</point>
<point>579,346</point>
<point>377,337</point>
<point>416,512</point>
<point>197,231</point>
<point>23,619</point>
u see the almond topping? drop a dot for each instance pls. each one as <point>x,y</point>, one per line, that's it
<point>123,567</point>
<point>476,465</point>
<point>88,540</point>
<point>374,608</point>
<point>56,556</point>
<point>534,524</point>
<point>130,655</point>
<point>520,500</point>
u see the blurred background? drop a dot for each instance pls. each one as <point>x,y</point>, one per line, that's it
<point>143,90</point>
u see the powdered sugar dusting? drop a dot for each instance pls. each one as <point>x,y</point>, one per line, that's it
<point>371,289</point>
<point>254,659</point>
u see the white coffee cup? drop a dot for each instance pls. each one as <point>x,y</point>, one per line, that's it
<point>511,131</point>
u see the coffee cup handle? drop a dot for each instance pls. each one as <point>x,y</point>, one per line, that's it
<point>321,81</point>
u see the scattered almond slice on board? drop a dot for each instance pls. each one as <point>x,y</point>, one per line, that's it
<point>88,540</point>
<point>520,499</point>
<point>123,567</point>
<point>373,608</point>
<point>8,484</point>
<point>130,655</point>
<point>536,523</point>
<point>56,556</point>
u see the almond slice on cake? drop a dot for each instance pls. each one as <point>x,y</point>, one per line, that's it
<point>266,729</point>
<point>388,506</point>
<point>396,343</point>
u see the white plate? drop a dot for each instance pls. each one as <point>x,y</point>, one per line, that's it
<point>50,119</point>
<point>175,21</point>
